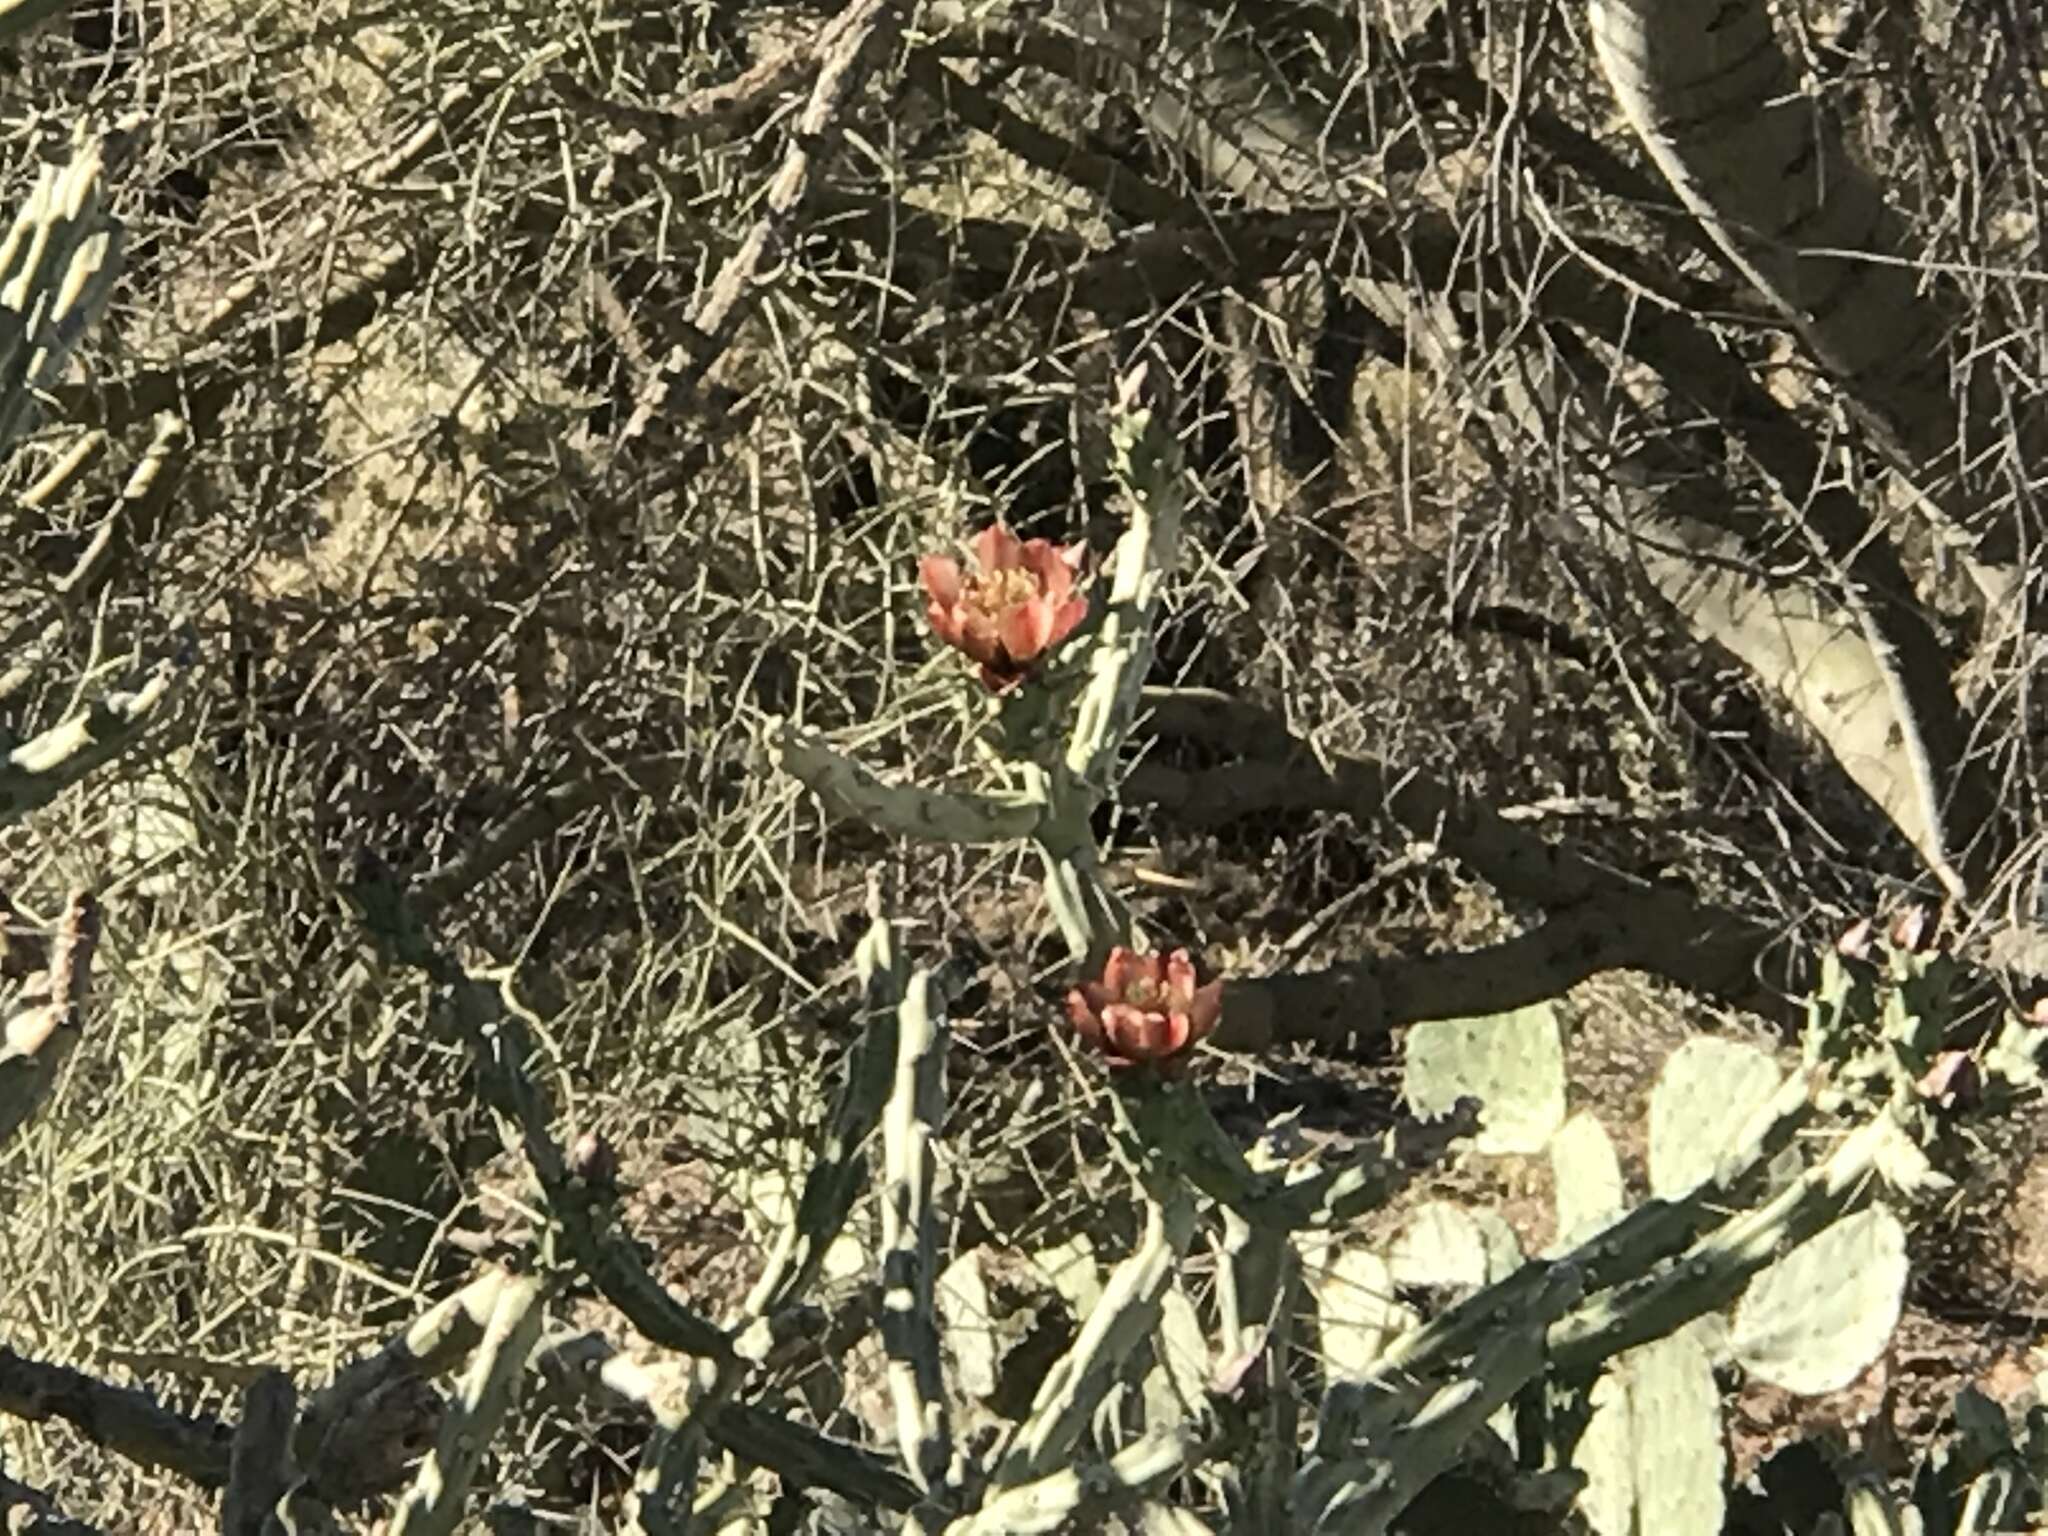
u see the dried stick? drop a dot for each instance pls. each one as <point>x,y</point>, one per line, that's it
<point>845,47</point>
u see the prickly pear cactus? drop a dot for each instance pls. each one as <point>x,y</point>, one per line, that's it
<point>1651,1452</point>
<point>1442,1247</point>
<point>1356,1313</point>
<point>1815,1320</point>
<point>1709,1087</point>
<point>1590,1193</point>
<point>1512,1063</point>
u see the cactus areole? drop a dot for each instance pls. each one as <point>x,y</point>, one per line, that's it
<point>1146,1010</point>
<point>1016,607</point>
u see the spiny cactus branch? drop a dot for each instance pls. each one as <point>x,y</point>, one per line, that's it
<point>853,793</point>
<point>434,1505</point>
<point>325,1441</point>
<point>1362,1494</point>
<point>1645,1237</point>
<point>1122,1317</point>
<point>840,1168</point>
<point>1663,930</point>
<point>1714,1270</point>
<point>41,768</point>
<point>27,1511</point>
<point>665,1483</point>
<point>1064,1500</point>
<point>587,1366</point>
<point>909,1323</point>
<point>58,264</point>
<point>491,1022</point>
<point>1146,460</point>
<point>1090,916</point>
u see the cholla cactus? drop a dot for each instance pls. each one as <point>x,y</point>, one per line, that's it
<point>57,268</point>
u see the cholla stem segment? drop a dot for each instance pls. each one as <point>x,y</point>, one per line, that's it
<point>909,1326</point>
<point>434,1505</point>
<point>1121,1319</point>
<point>840,1170</point>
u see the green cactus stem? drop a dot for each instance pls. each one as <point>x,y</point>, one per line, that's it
<point>435,1342</point>
<point>910,1330</point>
<point>125,1420</point>
<point>1714,1271</point>
<point>487,1016</point>
<point>434,1505</point>
<point>585,1366</point>
<point>1362,1489</point>
<point>664,1483</point>
<point>1065,1499</point>
<point>58,266</point>
<point>1146,461</point>
<point>853,793</point>
<point>259,1466</point>
<point>1145,458</point>
<point>1631,1247</point>
<point>1123,1318</point>
<point>840,1170</point>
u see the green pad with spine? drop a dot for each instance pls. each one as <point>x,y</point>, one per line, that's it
<point>1512,1063</point>
<point>1815,1320</point>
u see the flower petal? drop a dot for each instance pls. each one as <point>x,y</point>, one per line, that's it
<point>1081,1013</point>
<point>997,549</point>
<point>981,639</point>
<point>1117,973</point>
<point>1137,1033</point>
<point>1026,628</point>
<point>941,577</point>
<point>1205,1011</point>
<point>1180,980</point>
<point>945,623</point>
<point>1066,619</point>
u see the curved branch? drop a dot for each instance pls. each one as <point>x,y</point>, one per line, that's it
<point>122,1419</point>
<point>1348,1007</point>
<point>1598,919</point>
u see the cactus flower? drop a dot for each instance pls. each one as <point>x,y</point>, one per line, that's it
<point>1146,1008</point>
<point>1019,605</point>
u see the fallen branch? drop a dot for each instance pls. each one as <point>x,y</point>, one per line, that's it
<point>124,1420</point>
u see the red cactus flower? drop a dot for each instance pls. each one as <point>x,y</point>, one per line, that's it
<point>1020,605</point>
<point>1146,1008</point>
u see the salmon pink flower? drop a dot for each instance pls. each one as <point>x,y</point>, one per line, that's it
<point>1017,607</point>
<point>1146,1008</point>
